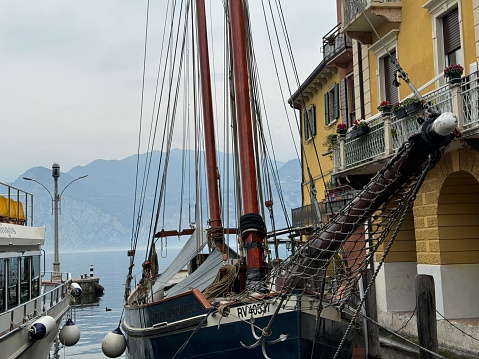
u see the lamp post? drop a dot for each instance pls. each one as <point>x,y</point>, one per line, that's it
<point>55,202</point>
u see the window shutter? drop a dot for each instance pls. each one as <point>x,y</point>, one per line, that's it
<point>306,125</point>
<point>389,76</point>
<point>313,120</point>
<point>451,32</point>
<point>326,108</point>
<point>344,100</point>
<point>336,101</point>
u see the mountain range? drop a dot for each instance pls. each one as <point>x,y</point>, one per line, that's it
<point>99,211</point>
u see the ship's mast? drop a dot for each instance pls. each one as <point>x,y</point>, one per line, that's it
<point>216,229</point>
<point>251,224</point>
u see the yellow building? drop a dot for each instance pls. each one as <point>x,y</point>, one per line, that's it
<point>324,100</point>
<point>441,234</point>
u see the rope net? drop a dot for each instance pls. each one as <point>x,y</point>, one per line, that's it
<point>328,266</point>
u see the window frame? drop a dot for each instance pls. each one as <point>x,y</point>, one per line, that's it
<point>381,50</point>
<point>331,105</point>
<point>309,121</point>
<point>438,9</point>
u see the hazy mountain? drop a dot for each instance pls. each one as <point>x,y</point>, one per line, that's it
<point>97,211</point>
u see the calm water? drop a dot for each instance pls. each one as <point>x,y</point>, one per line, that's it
<point>94,321</point>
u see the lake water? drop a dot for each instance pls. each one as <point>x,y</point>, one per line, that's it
<point>94,321</point>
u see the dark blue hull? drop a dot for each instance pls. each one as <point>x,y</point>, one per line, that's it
<point>222,338</point>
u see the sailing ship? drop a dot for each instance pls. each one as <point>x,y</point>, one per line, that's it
<point>33,302</point>
<point>240,301</point>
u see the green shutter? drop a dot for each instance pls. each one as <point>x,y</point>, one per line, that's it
<point>313,120</point>
<point>326,108</point>
<point>336,101</point>
<point>306,125</point>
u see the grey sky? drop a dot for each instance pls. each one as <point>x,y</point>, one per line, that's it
<point>70,75</point>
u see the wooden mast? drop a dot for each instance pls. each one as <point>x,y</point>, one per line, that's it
<point>216,230</point>
<point>251,234</point>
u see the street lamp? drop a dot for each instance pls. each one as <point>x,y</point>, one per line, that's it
<point>55,199</point>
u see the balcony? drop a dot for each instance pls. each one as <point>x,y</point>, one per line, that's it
<point>337,48</point>
<point>368,153</point>
<point>359,15</point>
<point>306,217</point>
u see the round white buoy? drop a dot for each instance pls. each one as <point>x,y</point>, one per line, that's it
<point>114,344</point>
<point>42,327</point>
<point>75,289</point>
<point>69,334</point>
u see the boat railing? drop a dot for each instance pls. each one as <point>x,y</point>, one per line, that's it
<point>55,277</point>
<point>52,294</point>
<point>16,205</point>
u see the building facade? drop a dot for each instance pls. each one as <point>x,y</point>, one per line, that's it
<point>440,235</point>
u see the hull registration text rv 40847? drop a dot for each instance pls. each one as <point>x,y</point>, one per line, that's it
<point>253,310</point>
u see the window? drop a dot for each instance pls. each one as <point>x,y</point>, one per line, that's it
<point>348,107</point>
<point>384,50</point>
<point>35,275</point>
<point>331,105</point>
<point>12,279</point>
<point>452,37</point>
<point>310,123</point>
<point>25,279</point>
<point>446,33</point>
<point>2,285</point>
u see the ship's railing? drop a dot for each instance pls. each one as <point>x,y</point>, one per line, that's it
<point>52,294</point>
<point>16,205</point>
<point>387,133</point>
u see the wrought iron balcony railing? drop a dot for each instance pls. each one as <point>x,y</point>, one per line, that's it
<point>335,43</point>
<point>387,133</point>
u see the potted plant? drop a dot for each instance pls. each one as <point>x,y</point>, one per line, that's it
<point>412,105</point>
<point>330,39</point>
<point>385,107</point>
<point>329,143</point>
<point>341,129</point>
<point>398,110</point>
<point>453,73</point>
<point>360,127</point>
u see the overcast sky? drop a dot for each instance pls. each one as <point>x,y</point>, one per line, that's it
<point>71,72</point>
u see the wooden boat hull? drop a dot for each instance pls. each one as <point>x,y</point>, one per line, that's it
<point>150,337</point>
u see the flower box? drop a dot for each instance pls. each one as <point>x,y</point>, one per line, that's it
<point>454,78</point>
<point>400,112</point>
<point>453,73</point>
<point>413,108</point>
<point>358,131</point>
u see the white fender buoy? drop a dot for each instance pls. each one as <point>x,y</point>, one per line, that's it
<point>69,334</point>
<point>42,327</point>
<point>75,289</point>
<point>114,344</point>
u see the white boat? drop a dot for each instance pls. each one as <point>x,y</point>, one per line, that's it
<point>32,301</point>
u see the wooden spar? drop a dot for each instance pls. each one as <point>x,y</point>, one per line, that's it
<point>210,144</point>
<point>188,232</point>
<point>254,254</point>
